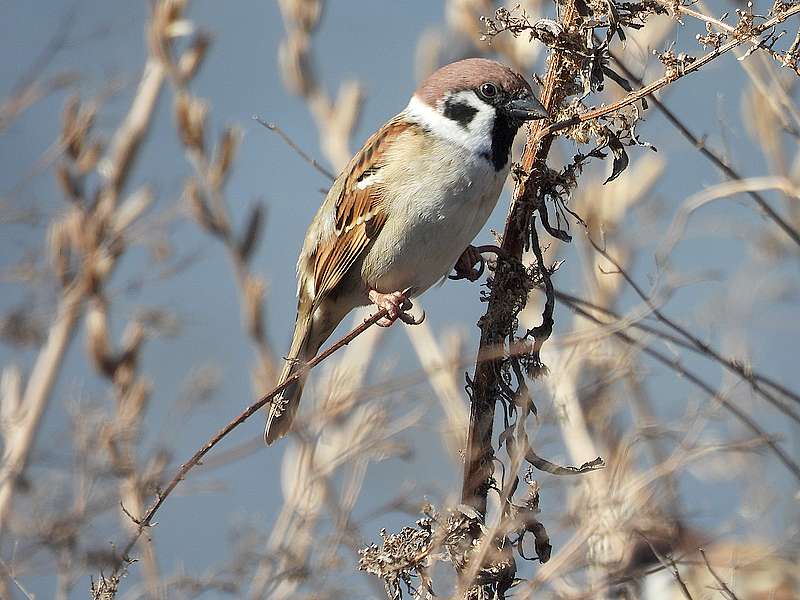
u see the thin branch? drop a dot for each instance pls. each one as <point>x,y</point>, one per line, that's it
<point>695,379</point>
<point>702,347</point>
<point>669,563</point>
<point>147,519</point>
<point>667,79</point>
<point>478,465</point>
<point>700,145</point>
<point>751,377</point>
<point>685,10</point>
<point>723,586</point>
<point>10,575</point>
<point>274,128</point>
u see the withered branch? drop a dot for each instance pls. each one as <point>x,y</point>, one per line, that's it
<point>146,520</point>
<point>718,162</point>
<point>497,324</point>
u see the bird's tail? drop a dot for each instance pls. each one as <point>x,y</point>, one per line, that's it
<point>283,407</point>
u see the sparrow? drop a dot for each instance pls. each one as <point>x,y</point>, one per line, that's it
<point>404,211</point>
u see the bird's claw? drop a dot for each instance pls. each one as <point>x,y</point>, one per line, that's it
<point>396,305</point>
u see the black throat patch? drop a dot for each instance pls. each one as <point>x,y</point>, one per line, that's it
<point>460,112</point>
<point>503,130</point>
<point>503,134</point>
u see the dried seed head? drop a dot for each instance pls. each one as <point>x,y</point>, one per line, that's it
<point>252,232</point>
<point>295,63</point>
<point>302,14</point>
<point>89,157</point>
<point>199,208</point>
<point>340,121</point>
<point>59,245</point>
<point>131,209</point>
<point>191,60</point>
<point>132,338</point>
<point>70,184</point>
<point>135,397</point>
<point>190,113</point>
<point>69,126</point>
<point>97,337</point>
<point>77,120</point>
<point>224,155</point>
<point>254,290</point>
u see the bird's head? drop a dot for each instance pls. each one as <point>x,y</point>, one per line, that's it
<point>478,103</point>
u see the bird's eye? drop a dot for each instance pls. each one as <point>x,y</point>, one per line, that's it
<point>488,90</point>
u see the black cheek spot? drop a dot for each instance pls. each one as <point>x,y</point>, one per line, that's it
<point>459,112</point>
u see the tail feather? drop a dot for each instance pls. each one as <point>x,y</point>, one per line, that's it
<point>283,407</point>
<point>315,323</point>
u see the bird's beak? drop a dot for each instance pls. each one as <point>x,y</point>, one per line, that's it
<point>526,109</point>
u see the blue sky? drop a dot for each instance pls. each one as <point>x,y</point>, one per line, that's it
<point>373,42</point>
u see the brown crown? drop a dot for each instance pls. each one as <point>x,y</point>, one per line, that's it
<point>469,74</point>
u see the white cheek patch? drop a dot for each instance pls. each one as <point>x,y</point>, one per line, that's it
<point>475,136</point>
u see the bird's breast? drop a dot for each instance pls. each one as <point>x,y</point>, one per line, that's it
<point>438,200</point>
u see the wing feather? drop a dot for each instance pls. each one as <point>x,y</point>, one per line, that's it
<point>360,211</point>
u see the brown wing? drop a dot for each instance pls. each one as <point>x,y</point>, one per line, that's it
<point>360,211</point>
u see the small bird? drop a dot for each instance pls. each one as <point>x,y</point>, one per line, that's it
<point>404,211</point>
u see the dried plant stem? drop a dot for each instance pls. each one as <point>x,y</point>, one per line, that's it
<point>37,394</point>
<point>478,465</point>
<point>698,143</point>
<point>656,85</point>
<point>48,363</point>
<point>740,414</point>
<point>147,519</point>
<point>724,589</point>
<point>496,321</point>
<point>131,132</point>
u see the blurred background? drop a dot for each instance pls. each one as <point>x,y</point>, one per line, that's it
<point>130,335</point>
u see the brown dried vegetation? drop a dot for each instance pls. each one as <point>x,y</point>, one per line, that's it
<point>623,520</point>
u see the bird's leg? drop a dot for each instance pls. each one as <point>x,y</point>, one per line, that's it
<point>396,304</point>
<point>465,266</point>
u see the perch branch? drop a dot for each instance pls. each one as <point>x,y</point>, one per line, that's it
<point>479,453</point>
<point>147,519</point>
<point>498,317</point>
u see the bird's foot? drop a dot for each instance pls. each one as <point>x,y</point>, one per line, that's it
<point>396,305</point>
<point>465,266</point>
